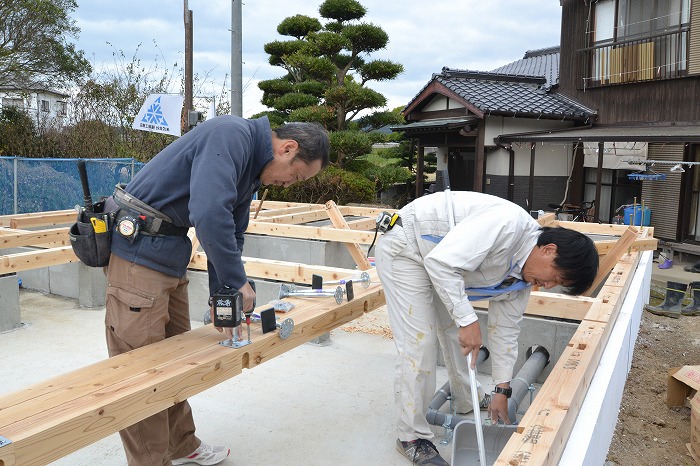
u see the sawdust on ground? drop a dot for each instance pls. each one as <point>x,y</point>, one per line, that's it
<point>648,433</point>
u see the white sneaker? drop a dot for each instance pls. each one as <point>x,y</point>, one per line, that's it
<point>205,455</point>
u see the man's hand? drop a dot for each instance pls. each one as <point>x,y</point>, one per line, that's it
<point>470,341</point>
<point>498,408</point>
<point>248,297</point>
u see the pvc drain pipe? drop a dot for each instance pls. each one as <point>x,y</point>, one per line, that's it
<point>537,358</point>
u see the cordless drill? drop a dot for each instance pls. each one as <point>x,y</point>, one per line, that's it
<point>228,312</point>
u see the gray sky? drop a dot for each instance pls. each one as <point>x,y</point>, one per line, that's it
<point>424,36</point>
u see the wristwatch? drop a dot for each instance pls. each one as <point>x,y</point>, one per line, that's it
<point>503,391</point>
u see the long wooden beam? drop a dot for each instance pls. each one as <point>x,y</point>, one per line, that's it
<point>545,428</point>
<point>51,419</point>
<point>310,232</point>
<point>19,238</point>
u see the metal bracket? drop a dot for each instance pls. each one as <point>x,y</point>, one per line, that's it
<point>4,441</point>
<point>235,343</point>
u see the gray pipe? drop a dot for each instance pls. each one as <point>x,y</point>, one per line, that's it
<point>537,358</point>
<point>434,416</point>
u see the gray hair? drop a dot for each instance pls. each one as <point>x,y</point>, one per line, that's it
<point>312,139</point>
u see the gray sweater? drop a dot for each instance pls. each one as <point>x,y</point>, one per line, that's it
<point>205,179</point>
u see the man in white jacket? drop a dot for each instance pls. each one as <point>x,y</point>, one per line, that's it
<point>432,263</point>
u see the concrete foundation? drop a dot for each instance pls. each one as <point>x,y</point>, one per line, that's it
<point>311,252</point>
<point>74,280</point>
<point>9,303</point>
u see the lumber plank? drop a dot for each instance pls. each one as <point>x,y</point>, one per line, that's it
<point>640,244</point>
<point>604,228</point>
<point>6,219</point>
<point>292,272</point>
<point>610,259</point>
<point>13,263</point>
<point>286,210</point>
<point>150,379</point>
<point>556,305</point>
<point>357,254</point>
<point>19,238</point>
<point>298,218</point>
<point>309,232</point>
<point>47,219</point>
<point>545,427</point>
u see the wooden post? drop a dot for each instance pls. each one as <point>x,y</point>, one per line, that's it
<point>622,246</point>
<point>353,248</point>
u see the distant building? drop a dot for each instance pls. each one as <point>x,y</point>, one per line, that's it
<point>44,106</point>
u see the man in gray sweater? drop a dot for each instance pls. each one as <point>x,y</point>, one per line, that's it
<point>206,179</point>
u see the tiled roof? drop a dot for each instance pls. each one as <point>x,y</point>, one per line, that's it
<point>525,87</point>
<point>505,94</point>
<point>542,62</point>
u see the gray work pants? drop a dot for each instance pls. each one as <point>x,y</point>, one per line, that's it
<point>418,320</point>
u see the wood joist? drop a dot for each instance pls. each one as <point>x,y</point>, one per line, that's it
<point>51,419</point>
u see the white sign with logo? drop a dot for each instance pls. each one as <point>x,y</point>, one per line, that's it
<point>160,113</point>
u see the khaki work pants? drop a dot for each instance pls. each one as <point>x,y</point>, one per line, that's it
<point>143,307</point>
<point>418,321</point>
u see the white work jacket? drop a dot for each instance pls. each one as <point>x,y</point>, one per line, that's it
<point>491,240</point>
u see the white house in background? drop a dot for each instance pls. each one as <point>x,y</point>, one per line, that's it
<point>44,106</point>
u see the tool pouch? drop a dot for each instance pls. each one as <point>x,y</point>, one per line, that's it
<point>91,234</point>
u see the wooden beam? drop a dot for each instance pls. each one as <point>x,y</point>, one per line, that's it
<point>13,263</point>
<point>553,305</point>
<point>296,208</point>
<point>6,219</point>
<point>544,429</point>
<point>56,417</point>
<point>297,218</point>
<point>292,272</point>
<point>608,261</point>
<point>639,244</point>
<point>19,238</point>
<point>47,219</point>
<point>310,232</point>
<point>356,252</point>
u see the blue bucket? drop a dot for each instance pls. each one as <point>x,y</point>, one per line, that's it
<point>637,218</point>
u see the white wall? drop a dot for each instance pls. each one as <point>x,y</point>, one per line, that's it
<point>551,159</point>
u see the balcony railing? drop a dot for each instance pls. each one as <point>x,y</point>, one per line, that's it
<point>661,56</point>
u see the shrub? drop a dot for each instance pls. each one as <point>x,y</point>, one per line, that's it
<point>332,184</point>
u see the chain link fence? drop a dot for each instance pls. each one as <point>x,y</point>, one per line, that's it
<point>39,185</point>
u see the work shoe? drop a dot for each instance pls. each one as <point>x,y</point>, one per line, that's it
<point>693,309</point>
<point>205,454</point>
<point>671,307</point>
<point>421,451</point>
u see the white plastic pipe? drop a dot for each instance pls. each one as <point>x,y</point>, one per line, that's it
<point>477,411</point>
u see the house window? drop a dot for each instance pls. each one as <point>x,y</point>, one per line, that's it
<point>45,106</point>
<point>61,108</point>
<point>638,40</point>
<point>12,102</point>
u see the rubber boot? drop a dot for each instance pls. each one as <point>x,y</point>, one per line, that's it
<point>671,306</point>
<point>693,309</point>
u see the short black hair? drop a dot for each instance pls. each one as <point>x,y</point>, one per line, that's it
<point>577,257</point>
<point>312,139</point>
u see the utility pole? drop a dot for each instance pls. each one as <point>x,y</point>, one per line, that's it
<point>236,58</point>
<point>188,65</point>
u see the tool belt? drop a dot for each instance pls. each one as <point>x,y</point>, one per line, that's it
<point>91,234</point>
<point>136,217</point>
